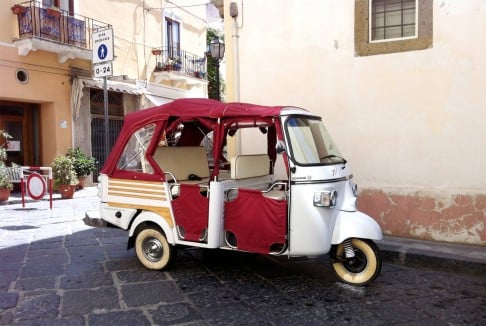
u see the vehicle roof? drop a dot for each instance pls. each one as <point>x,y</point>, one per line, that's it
<point>202,107</point>
<point>211,113</point>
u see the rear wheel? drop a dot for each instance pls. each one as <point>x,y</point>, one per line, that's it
<point>152,248</point>
<point>363,268</point>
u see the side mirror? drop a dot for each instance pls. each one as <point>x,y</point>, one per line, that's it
<point>280,147</point>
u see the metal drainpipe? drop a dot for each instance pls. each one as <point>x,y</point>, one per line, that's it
<point>236,66</point>
<point>236,60</point>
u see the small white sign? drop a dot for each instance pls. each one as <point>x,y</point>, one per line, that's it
<point>103,46</point>
<point>103,69</point>
<point>13,146</point>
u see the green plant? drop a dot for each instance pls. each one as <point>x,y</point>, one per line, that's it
<point>3,146</point>
<point>83,164</point>
<point>63,171</point>
<point>5,178</point>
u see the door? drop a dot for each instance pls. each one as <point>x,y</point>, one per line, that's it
<point>21,121</point>
<point>115,123</point>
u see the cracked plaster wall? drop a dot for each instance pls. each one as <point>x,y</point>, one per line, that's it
<point>429,216</point>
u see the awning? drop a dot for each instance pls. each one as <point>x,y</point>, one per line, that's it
<point>114,86</point>
<point>158,100</point>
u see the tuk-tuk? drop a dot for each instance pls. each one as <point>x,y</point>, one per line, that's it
<point>169,182</point>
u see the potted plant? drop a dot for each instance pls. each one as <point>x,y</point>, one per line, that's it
<point>83,164</point>
<point>18,9</point>
<point>54,12</point>
<point>177,63</point>
<point>6,184</point>
<point>65,179</point>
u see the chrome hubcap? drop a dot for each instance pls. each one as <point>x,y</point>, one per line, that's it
<point>152,249</point>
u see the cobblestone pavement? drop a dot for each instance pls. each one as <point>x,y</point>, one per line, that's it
<point>54,270</point>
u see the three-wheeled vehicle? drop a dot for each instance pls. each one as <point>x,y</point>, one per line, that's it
<point>169,182</point>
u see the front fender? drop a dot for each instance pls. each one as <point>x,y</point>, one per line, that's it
<point>355,225</point>
<point>147,216</point>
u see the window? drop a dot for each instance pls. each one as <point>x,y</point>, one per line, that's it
<point>393,19</point>
<point>173,37</point>
<point>133,157</point>
<point>389,26</point>
<point>67,5</point>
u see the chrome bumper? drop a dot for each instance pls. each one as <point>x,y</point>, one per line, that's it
<point>93,218</point>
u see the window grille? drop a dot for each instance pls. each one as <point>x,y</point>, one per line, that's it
<point>393,19</point>
<point>115,122</point>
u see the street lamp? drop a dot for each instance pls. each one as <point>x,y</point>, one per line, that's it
<point>216,49</point>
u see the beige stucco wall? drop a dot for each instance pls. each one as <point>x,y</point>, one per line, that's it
<point>137,31</point>
<point>49,87</point>
<point>138,27</point>
<point>409,123</point>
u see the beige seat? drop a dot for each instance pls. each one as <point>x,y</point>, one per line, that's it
<point>255,166</point>
<point>249,166</point>
<point>183,161</point>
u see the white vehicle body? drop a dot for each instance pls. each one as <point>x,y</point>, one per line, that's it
<point>236,203</point>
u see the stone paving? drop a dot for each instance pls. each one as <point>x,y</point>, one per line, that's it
<point>54,270</point>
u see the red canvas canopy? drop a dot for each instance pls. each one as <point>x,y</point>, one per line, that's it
<point>211,114</point>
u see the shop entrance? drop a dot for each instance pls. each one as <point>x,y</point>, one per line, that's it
<point>21,121</point>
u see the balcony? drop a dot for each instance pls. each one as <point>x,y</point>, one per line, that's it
<point>54,30</point>
<point>179,67</point>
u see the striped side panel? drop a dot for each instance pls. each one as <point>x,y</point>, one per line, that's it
<point>137,189</point>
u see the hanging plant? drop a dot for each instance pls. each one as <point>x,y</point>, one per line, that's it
<point>53,12</point>
<point>18,9</point>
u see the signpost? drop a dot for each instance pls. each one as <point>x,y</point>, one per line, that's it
<point>103,67</point>
<point>103,45</point>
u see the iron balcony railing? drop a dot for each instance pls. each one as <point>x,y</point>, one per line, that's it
<point>54,24</point>
<point>172,59</point>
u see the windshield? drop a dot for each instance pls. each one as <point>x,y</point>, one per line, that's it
<point>310,142</point>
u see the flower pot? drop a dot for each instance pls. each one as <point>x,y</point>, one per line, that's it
<point>17,9</point>
<point>67,191</point>
<point>53,12</point>
<point>82,182</point>
<point>4,194</point>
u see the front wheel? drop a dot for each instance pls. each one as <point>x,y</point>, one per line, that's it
<point>152,248</point>
<point>363,268</point>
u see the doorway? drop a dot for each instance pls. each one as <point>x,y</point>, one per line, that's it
<point>98,130</point>
<point>21,121</point>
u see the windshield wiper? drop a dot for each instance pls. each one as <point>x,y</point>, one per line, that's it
<point>333,156</point>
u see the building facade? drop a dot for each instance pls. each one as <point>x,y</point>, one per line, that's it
<point>401,86</point>
<point>51,99</point>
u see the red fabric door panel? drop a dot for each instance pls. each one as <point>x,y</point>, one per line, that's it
<point>256,221</point>
<point>191,211</point>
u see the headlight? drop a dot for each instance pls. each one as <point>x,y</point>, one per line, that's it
<point>325,198</point>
